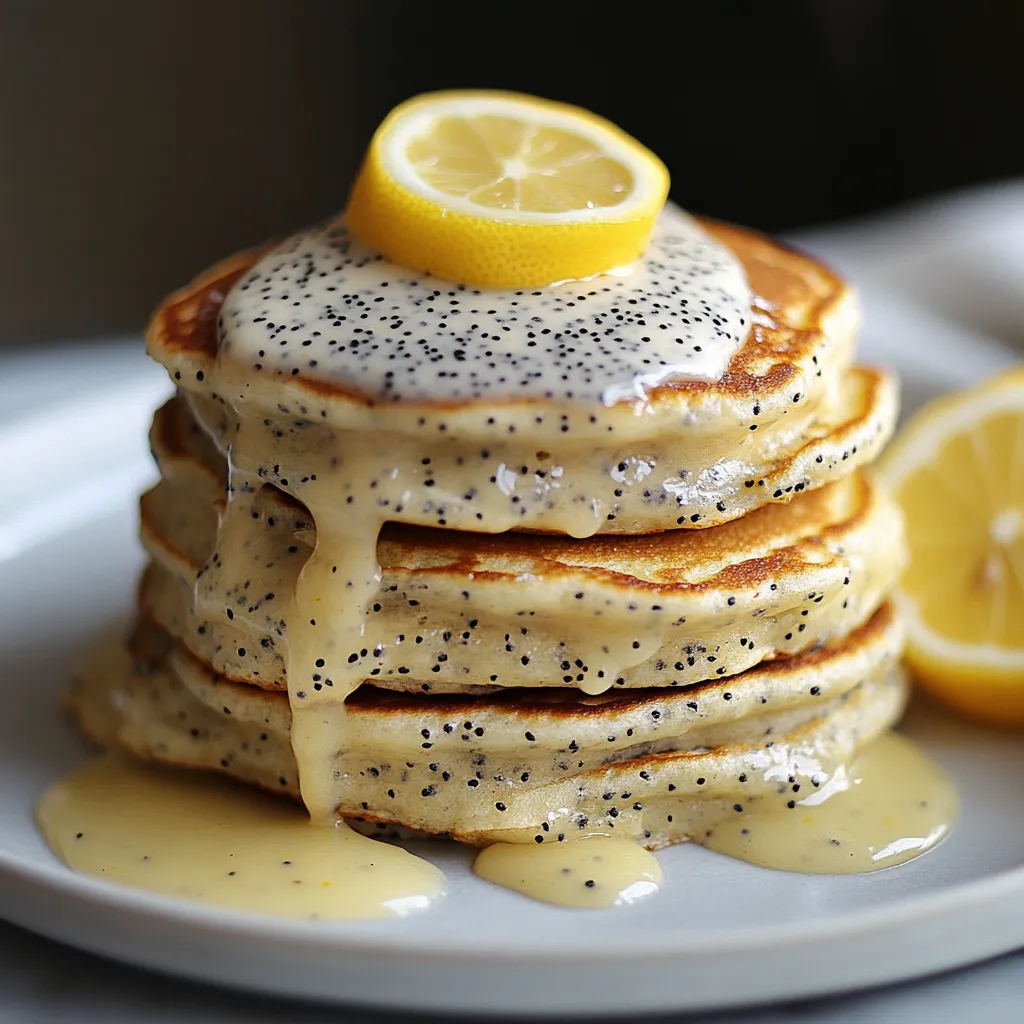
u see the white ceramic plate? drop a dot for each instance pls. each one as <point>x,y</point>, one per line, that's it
<point>722,932</point>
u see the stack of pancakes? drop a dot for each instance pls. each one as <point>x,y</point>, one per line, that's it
<point>677,611</point>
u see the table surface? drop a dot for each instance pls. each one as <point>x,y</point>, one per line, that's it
<point>42,981</point>
<point>956,263</point>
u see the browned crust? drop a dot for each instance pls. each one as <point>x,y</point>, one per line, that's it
<point>185,323</point>
<point>548,553</point>
<point>528,701</point>
<point>543,553</point>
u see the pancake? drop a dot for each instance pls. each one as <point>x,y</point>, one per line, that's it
<point>788,415</point>
<point>470,613</point>
<point>661,765</point>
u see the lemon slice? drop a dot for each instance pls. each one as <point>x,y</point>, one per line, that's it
<point>505,190</point>
<point>958,471</point>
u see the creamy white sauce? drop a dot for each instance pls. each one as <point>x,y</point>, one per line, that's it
<point>324,305</point>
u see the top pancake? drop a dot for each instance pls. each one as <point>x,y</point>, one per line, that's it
<point>802,326</point>
<point>788,415</point>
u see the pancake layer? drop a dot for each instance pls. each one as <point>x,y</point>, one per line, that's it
<point>468,613</point>
<point>525,765</point>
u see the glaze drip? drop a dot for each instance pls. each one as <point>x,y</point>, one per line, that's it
<point>593,871</point>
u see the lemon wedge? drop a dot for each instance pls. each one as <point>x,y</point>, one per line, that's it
<point>958,471</point>
<point>500,189</point>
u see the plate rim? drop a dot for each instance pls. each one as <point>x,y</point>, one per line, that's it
<point>59,879</point>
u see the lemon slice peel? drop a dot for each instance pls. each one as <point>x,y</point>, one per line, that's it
<point>500,189</point>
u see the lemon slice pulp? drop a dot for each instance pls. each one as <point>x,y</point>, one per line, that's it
<point>505,190</point>
<point>958,471</point>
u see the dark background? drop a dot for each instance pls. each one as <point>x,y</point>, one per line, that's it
<point>145,138</point>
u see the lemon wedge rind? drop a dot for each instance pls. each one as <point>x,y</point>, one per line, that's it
<point>955,468</point>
